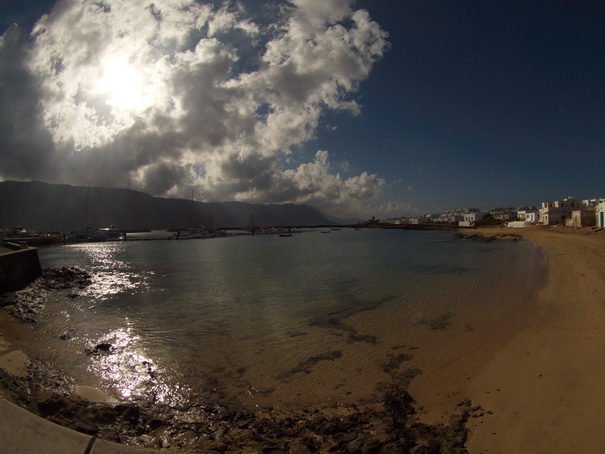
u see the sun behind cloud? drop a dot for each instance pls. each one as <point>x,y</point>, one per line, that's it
<point>175,95</point>
<point>123,84</point>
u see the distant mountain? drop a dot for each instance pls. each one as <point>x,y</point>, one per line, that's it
<point>53,207</point>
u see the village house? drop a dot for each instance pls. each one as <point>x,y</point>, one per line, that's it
<point>397,221</point>
<point>503,214</point>
<point>529,216</point>
<point>591,202</point>
<point>471,218</point>
<point>552,213</point>
<point>600,213</point>
<point>581,218</point>
<point>418,220</point>
<point>449,218</point>
<point>570,211</point>
<point>459,215</point>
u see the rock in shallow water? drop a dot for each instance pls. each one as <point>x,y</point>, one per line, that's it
<point>93,394</point>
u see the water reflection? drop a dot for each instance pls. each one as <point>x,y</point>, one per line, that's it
<point>112,274</point>
<point>232,316</point>
<point>117,359</point>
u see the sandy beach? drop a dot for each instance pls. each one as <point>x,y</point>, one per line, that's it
<point>544,386</point>
<point>540,385</point>
<point>537,381</point>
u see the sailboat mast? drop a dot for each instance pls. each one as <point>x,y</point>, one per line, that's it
<point>193,210</point>
<point>86,208</point>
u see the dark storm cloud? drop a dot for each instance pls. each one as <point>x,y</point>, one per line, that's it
<point>24,143</point>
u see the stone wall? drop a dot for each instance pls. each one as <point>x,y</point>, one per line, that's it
<point>19,265</point>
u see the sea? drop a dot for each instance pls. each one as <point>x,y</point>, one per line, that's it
<point>265,321</point>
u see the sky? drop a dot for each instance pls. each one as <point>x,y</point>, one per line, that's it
<point>360,108</point>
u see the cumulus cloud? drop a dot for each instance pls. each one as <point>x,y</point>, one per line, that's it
<point>173,95</point>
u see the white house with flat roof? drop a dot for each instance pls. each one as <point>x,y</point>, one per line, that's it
<point>600,214</point>
<point>552,213</point>
<point>530,216</point>
<point>471,218</point>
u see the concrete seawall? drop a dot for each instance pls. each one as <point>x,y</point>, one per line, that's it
<point>19,265</point>
<point>24,433</point>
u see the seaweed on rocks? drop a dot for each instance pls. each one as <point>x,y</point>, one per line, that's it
<point>475,237</point>
<point>437,322</point>
<point>213,421</point>
<point>65,278</point>
<point>488,238</point>
<point>334,319</point>
<point>100,349</point>
<point>393,367</point>
<point>305,366</point>
<point>388,423</point>
<point>336,324</point>
<point>395,362</point>
<point>25,304</point>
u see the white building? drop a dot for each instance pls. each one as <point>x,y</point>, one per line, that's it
<point>530,216</point>
<point>474,216</point>
<point>600,213</point>
<point>470,219</point>
<point>503,214</point>
<point>591,202</point>
<point>397,221</point>
<point>418,220</point>
<point>581,218</point>
<point>459,215</point>
<point>553,213</point>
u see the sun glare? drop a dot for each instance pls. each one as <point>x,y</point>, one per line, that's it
<point>123,84</point>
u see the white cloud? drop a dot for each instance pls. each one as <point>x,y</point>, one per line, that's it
<point>174,94</point>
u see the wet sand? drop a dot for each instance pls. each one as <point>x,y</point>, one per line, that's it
<point>541,385</point>
<point>211,420</point>
<point>537,382</point>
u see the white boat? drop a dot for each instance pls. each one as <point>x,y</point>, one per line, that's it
<point>110,233</point>
<point>200,234</point>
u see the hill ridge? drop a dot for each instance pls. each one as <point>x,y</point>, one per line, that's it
<point>55,207</point>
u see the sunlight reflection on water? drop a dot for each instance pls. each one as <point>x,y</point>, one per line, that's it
<point>189,320</point>
<point>111,273</point>
<point>132,373</point>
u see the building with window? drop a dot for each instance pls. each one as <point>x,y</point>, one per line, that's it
<point>553,213</point>
<point>600,214</point>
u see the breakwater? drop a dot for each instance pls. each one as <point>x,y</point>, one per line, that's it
<point>19,265</point>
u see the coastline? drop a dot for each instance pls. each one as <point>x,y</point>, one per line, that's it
<point>535,382</point>
<point>538,385</point>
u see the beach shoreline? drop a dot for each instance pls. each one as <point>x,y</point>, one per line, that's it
<point>210,421</point>
<point>536,384</point>
<point>532,383</point>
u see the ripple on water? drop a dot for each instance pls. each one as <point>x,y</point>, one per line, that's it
<point>261,318</point>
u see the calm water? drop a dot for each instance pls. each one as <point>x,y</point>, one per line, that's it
<point>269,321</point>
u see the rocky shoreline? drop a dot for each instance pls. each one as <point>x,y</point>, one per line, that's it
<point>25,304</point>
<point>215,422</point>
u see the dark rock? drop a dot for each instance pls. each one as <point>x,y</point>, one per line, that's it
<point>26,303</point>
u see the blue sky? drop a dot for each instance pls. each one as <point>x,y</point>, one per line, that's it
<point>483,103</point>
<point>464,104</point>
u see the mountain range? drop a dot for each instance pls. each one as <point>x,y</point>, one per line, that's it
<point>54,207</point>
